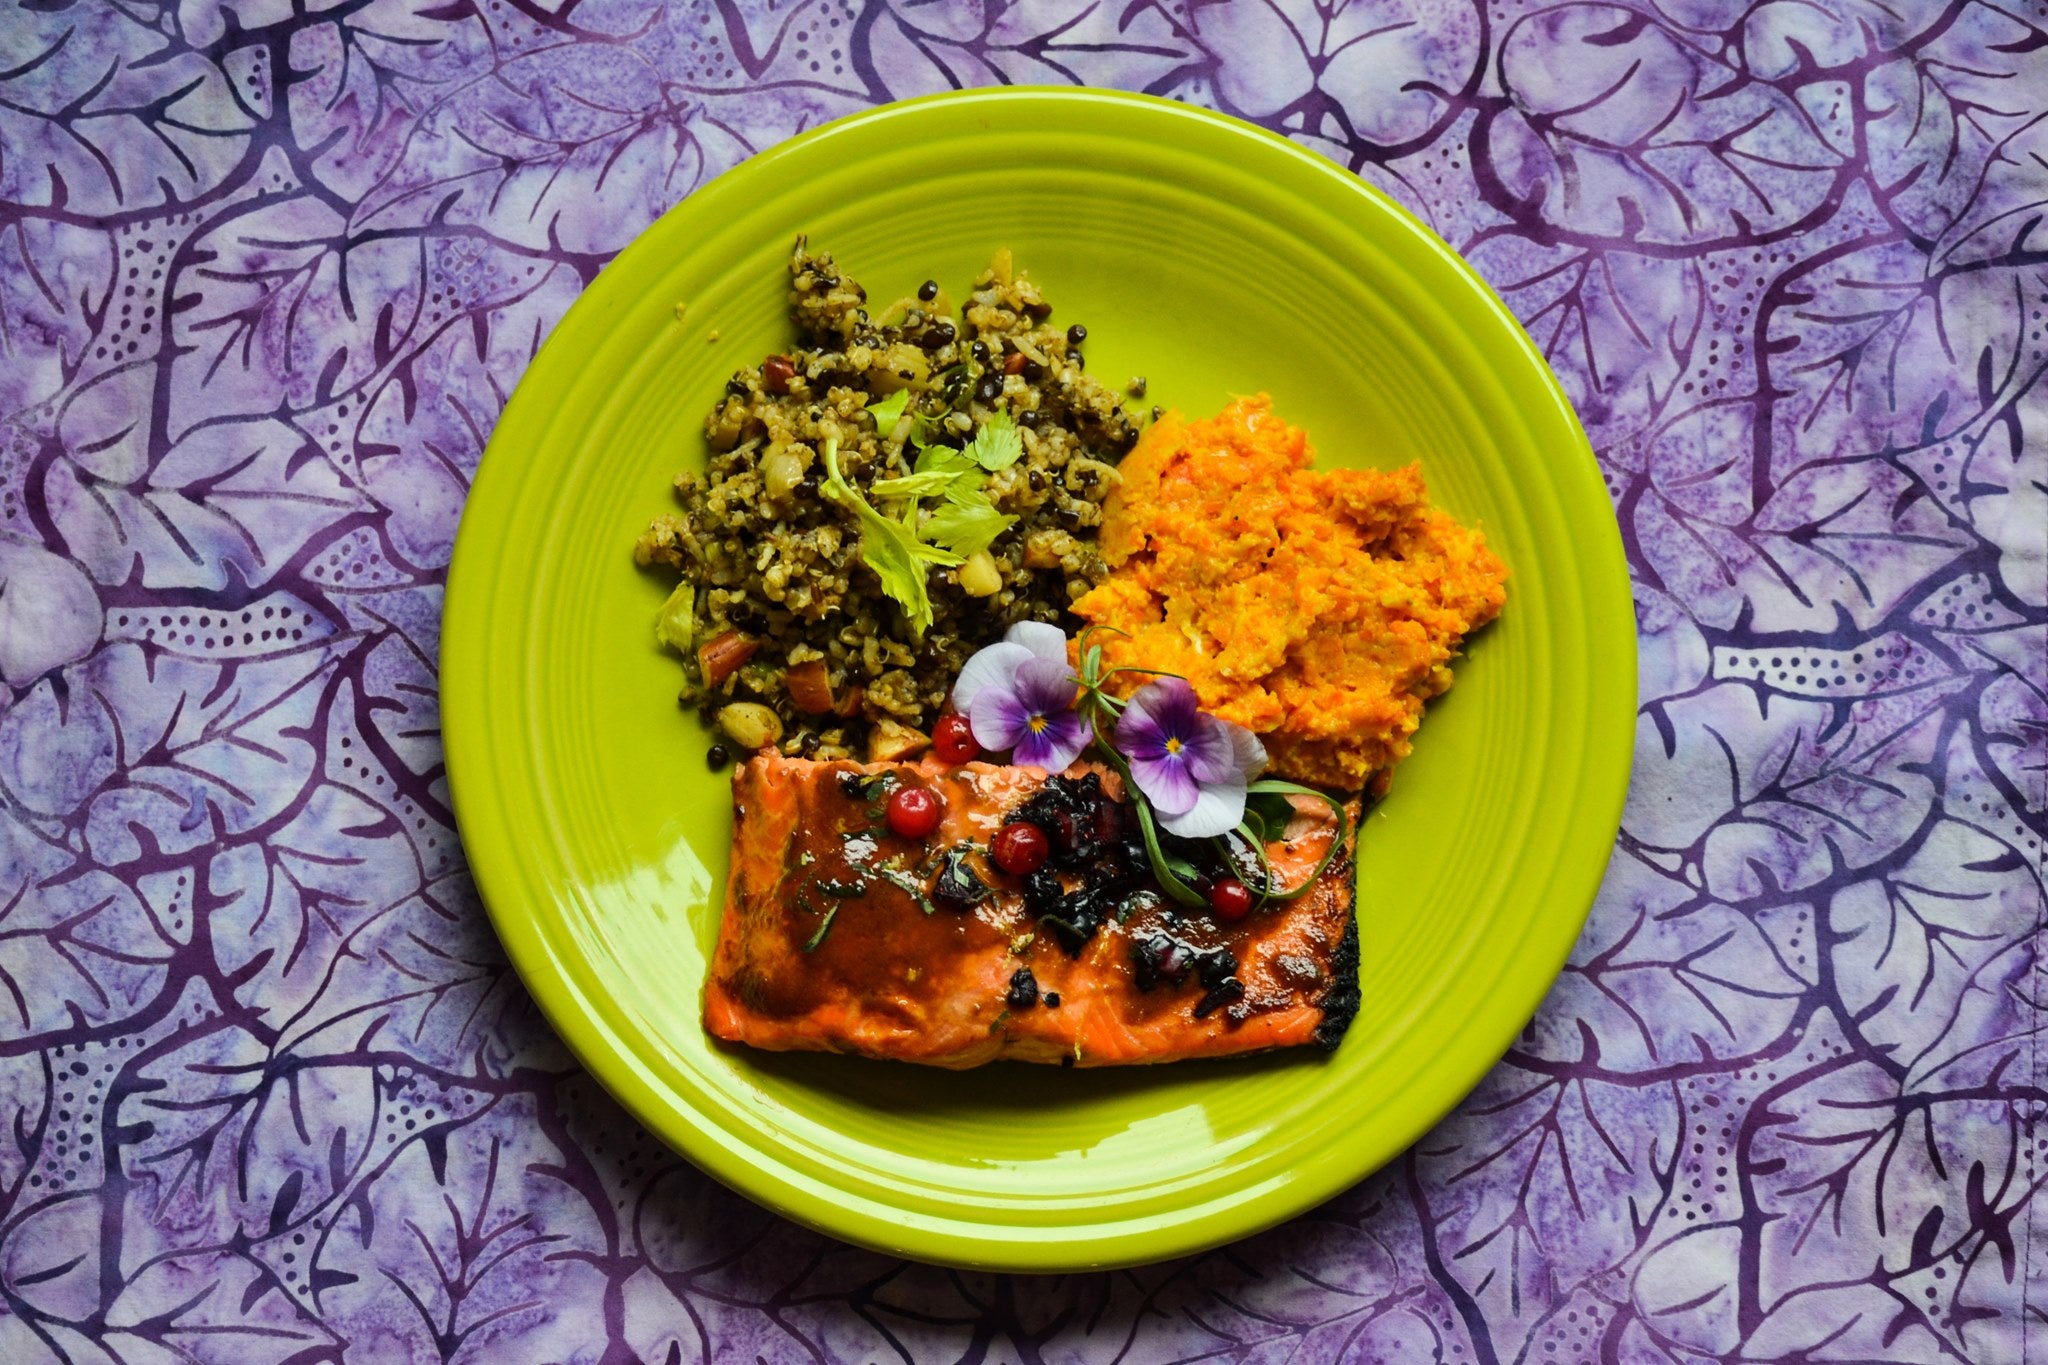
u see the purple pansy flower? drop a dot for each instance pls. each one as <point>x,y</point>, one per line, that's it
<point>1019,693</point>
<point>1192,767</point>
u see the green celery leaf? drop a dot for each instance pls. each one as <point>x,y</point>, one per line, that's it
<point>676,624</point>
<point>888,411</point>
<point>966,488</point>
<point>967,528</point>
<point>943,460</point>
<point>997,445</point>
<point>888,547</point>
<point>913,485</point>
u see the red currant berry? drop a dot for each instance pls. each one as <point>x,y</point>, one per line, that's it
<point>914,812</point>
<point>953,740</point>
<point>1230,900</point>
<point>1020,849</point>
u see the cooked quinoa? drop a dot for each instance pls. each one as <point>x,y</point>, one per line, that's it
<point>772,565</point>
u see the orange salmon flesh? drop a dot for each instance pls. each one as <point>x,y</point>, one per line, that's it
<point>831,942</point>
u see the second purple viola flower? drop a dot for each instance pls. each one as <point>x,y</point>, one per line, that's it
<point>1193,768</point>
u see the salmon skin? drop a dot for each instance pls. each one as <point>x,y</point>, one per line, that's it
<point>840,936</point>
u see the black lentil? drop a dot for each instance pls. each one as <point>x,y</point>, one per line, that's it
<point>928,291</point>
<point>988,388</point>
<point>717,756</point>
<point>1076,334</point>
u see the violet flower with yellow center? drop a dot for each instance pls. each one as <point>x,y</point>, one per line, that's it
<point>1192,767</point>
<point>1019,694</point>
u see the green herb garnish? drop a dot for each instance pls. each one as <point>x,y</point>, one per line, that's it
<point>888,411</point>
<point>913,485</point>
<point>889,547</point>
<point>948,461</point>
<point>968,523</point>
<point>676,624</point>
<point>968,528</point>
<point>819,937</point>
<point>997,445</point>
<point>910,885</point>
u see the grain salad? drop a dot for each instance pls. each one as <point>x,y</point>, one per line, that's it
<point>891,493</point>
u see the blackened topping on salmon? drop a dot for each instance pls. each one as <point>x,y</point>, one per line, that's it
<point>859,786</point>
<point>1227,991</point>
<point>1023,990</point>
<point>1082,911</point>
<point>1097,858</point>
<point>958,888</point>
<point>1042,893</point>
<point>1215,966</point>
<point>1079,819</point>
<point>1163,960</point>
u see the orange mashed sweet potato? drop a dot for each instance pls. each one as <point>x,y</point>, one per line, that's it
<point>1320,609</point>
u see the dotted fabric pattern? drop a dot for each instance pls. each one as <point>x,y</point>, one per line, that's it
<point>268,1091</point>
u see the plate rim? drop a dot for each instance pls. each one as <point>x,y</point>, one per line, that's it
<point>772,1183</point>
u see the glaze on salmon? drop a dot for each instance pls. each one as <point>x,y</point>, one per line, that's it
<point>840,936</point>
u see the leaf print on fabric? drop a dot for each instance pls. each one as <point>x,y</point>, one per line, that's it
<point>81,948</point>
<point>1351,75</point>
<point>207,750</point>
<point>230,503</point>
<point>1623,132</point>
<point>575,148</point>
<point>269,1089</point>
<point>49,614</point>
<point>102,114</point>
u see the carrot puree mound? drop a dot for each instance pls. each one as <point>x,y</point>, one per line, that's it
<point>1319,609</point>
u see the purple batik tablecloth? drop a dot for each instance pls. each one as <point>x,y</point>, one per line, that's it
<point>267,1088</point>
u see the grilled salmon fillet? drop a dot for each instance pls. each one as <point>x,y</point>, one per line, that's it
<point>841,936</point>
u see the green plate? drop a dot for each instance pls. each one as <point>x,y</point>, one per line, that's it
<point>1215,259</point>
